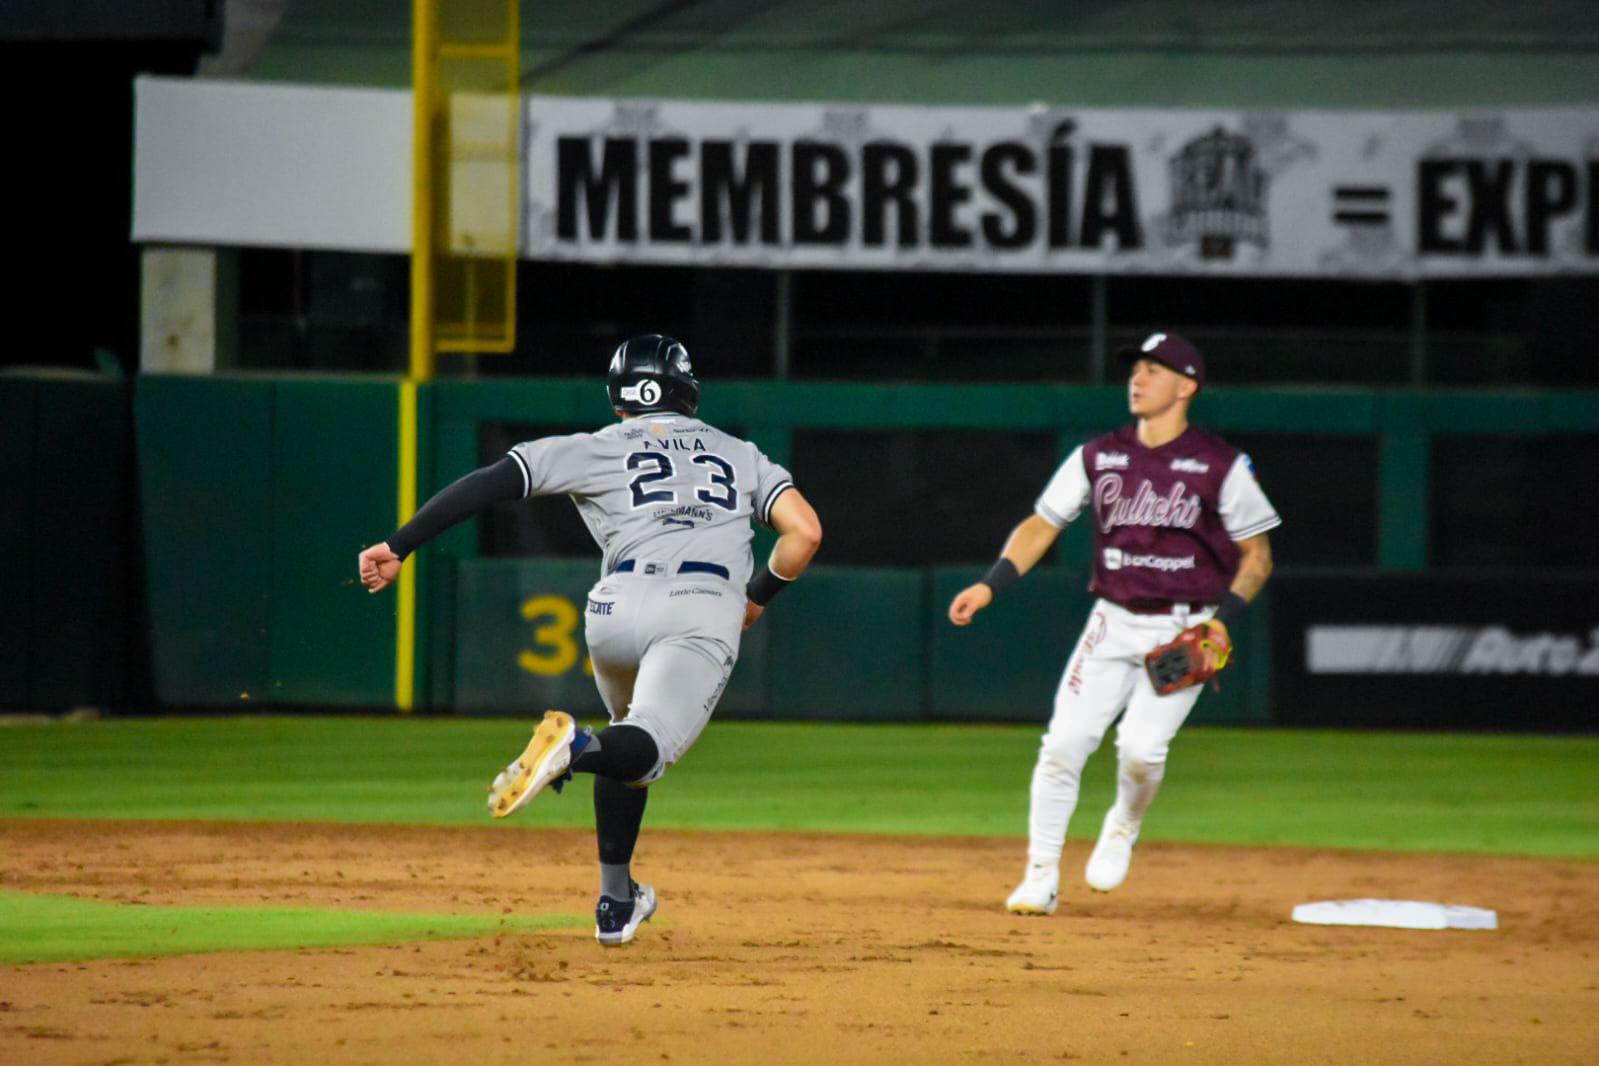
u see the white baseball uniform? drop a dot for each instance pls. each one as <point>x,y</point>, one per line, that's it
<point>1166,520</point>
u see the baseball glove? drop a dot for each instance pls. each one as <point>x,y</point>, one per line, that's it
<point>1182,662</point>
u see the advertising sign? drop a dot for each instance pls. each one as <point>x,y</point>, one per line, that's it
<point>1437,651</point>
<point>1342,194</point>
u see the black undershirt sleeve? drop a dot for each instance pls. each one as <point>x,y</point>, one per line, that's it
<point>458,502</point>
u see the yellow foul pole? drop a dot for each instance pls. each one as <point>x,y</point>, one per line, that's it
<point>405,619</point>
<point>465,218</point>
<point>424,89</point>
<point>424,102</point>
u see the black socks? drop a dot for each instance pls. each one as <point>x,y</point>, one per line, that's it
<point>617,755</point>
<point>618,813</point>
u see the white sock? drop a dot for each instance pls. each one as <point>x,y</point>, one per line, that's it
<point>1054,798</point>
<point>1136,785</point>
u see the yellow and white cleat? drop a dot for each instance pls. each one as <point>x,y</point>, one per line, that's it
<point>544,761</point>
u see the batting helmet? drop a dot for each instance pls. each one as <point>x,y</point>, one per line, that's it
<point>652,373</point>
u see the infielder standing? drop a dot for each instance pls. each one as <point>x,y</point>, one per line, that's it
<point>1179,541</point>
<point>669,501</point>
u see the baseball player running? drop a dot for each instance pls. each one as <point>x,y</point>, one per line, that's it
<point>669,500</point>
<point>1180,545</point>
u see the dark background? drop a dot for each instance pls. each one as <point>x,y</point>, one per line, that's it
<point>73,302</point>
<point>1526,699</point>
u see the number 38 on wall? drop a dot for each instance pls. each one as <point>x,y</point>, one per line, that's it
<point>555,650</point>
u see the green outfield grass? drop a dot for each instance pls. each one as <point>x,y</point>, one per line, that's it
<point>41,928</point>
<point>1466,793</point>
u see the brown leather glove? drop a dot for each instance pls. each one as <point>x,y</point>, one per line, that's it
<point>1193,658</point>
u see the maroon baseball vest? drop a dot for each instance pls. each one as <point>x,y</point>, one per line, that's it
<point>1158,534</point>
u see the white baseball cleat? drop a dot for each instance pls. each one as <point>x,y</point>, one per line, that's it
<point>544,761</point>
<point>1039,892</point>
<point>616,921</point>
<point>1107,866</point>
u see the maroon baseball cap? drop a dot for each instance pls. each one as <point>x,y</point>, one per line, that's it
<point>1168,349</point>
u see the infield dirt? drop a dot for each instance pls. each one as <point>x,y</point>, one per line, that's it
<point>805,949</point>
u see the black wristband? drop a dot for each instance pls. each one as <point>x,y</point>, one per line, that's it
<point>764,585</point>
<point>1002,575</point>
<point>1231,606</point>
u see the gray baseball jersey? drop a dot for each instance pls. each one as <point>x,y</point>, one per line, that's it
<point>661,486</point>
<point>658,491</point>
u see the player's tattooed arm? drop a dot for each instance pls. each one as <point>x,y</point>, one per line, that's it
<point>1026,545</point>
<point>1254,567</point>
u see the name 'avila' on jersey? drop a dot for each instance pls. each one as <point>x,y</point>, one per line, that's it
<point>642,498</point>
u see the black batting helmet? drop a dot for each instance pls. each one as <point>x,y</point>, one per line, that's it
<point>652,373</point>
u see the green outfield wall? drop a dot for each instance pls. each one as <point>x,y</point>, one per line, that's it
<point>230,579</point>
<point>256,496</point>
<point>847,643</point>
<point>69,608</point>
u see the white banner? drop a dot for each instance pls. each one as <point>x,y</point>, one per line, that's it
<point>1310,193</point>
<point>1377,195</point>
<point>284,166</point>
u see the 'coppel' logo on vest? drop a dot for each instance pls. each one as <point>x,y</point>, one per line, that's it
<point>1176,510</point>
<point>1218,195</point>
